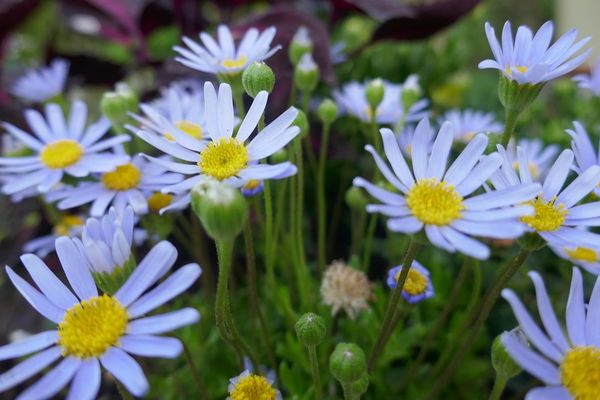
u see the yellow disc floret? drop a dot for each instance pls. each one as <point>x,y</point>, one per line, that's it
<point>91,327</point>
<point>124,177</point>
<point>223,158</point>
<point>434,202</point>
<point>548,216</point>
<point>533,168</point>
<point>253,387</point>
<point>61,153</point>
<point>157,201</point>
<point>66,223</point>
<point>582,254</point>
<point>187,127</point>
<point>521,68</point>
<point>415,284</point>
<point>580,372</point>
<point>235,63</point>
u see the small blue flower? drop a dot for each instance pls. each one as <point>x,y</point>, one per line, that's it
<point>40,85</point>
<point>418,285</point>
<point>590,82</point>
<point>468,123</point>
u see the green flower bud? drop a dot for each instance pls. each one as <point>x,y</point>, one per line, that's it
<point>516,96</point>
<point>502,361</point>
<point>111,282</point>
<point>327,111</point>
<point>117,105</point>
<point>306,74</point>
<point>310,329</point>
<point>300,45</point>
<point>347,362</point>
<point>411,91</point>
<point>356,199</point>
<point>361,385</point>
<point>257,77</point>
<point>221,209</point>
<point>374,93</point>
<point>280,156</point>
<point>301,122</point>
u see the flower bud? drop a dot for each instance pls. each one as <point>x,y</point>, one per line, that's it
<point>327,111</point>
<point>258,77</point>
<point>502,361</point>
<point>374,93</point>
<point>361,385</point>
<point>310,329</point>
<point>347,362</point>
<point>300,45</point>
<point>411,91</point>
<point>356,199</point>
<point>301,122</point>
<point>221,209</point>
<point>306,74</point>
<point>279,156</point>
<point>117,105</point>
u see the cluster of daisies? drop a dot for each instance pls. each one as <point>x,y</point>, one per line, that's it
<point>443,183</point>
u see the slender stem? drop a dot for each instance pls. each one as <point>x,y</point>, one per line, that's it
<point>305,102</point>
<point>409,257</point>
<point>314,366</point>
<point>366,260</point>
<point>321,201</point>
<point>238,99</point>
<point>358,233</point>
<point>269,244</point>
<point>509,125</point>
<point>499,385</point>
<point>376,137</point>
<point>293,94</point>
<point>441,319</point>
<point>348,391</point>
<point>194,371</point>
<point>253,288</point>
<point>123,392</point>
<point>487,303</point>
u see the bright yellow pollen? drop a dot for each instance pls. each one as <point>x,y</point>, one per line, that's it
<point>67,222</point>
<point>548,217</point>
<point>61,153</point>
<point>92,326</point>
<point>253,387</point>
<point>223,158</point>
<point>582,254</point>
<point>157,201</point>
<point>189,128</point>
<point>533,169</point>
<point>434,202</point>
<point>580,372</point>
<point>521,68</point>
<point>415,284</point>
<point>235,63</point>
<point>124,177</point>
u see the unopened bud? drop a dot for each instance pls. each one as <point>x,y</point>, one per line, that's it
<point>258,77</point>
<point>117,105</point>
<point>374,93</point>
<point>306,74</point>
<point>327,111</point>
<point>502,361</point>
<point>347,363</point>
<point>301,122</point>
<point>300,45</point>
<point>310,329</point>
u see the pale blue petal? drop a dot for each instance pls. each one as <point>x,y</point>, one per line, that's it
<point>575,313</point>
<point>28,368</point>
<point>48,283</point>
<point>163,322</point>
<point>151,346</point>
<point>28,345</point>
<point>51,383</point>
<point>35,298</point>
<point>123,367</point>
<point>76,267</point>
<point>86,382</point>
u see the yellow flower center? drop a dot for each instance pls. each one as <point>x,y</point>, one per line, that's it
<point>92,326</point>
<point>253,387</point>
<point>252,184</point>
<point>416,282</point>
<point>533,169</point>
<point>187,127</point>
<point>582,254</point>
<point>157,201</point>
<point>64,226</point>
<point>223,158</point>
<point>580,372</point>
<point>61,153</point>
<point>235,63</point>
<point>124,177</point>
<point>521,68</point>
<point>548,217</point>
<point>434,202</point>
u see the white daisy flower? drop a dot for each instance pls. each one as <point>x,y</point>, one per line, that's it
<point>223,57</point>
<point>40,85</point>
<point>468,123</point>
<point>586,155</point>
<point>590,81</point>
<point>60,147</point>
<point>566,361</point>
<point>225,156</point>
<point>248,385</point>
<point>558,217</point>
<point>352,100</point>
<point>529,58</point>
<point>67,225</point>
<point>96,329</point>
<point>130,183</point>
<point>441,200</point>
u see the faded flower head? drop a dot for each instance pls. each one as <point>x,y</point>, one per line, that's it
<point>344,287</point>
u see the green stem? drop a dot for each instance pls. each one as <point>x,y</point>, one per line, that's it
<point>314,367</point>
<point>238,99</point>
<point>366,260</point>
<point>376,137</point>
<point>321,201</point>
<point>487,303</point>
<point>358,233</point>
<point>499,385</point>
<point>348,391</point>
<point>253,289</point>
<point>194,371</point>
<point>509,125</point>
<point>269,244</point>
<point>305,102</point>
<point>409,257</point>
